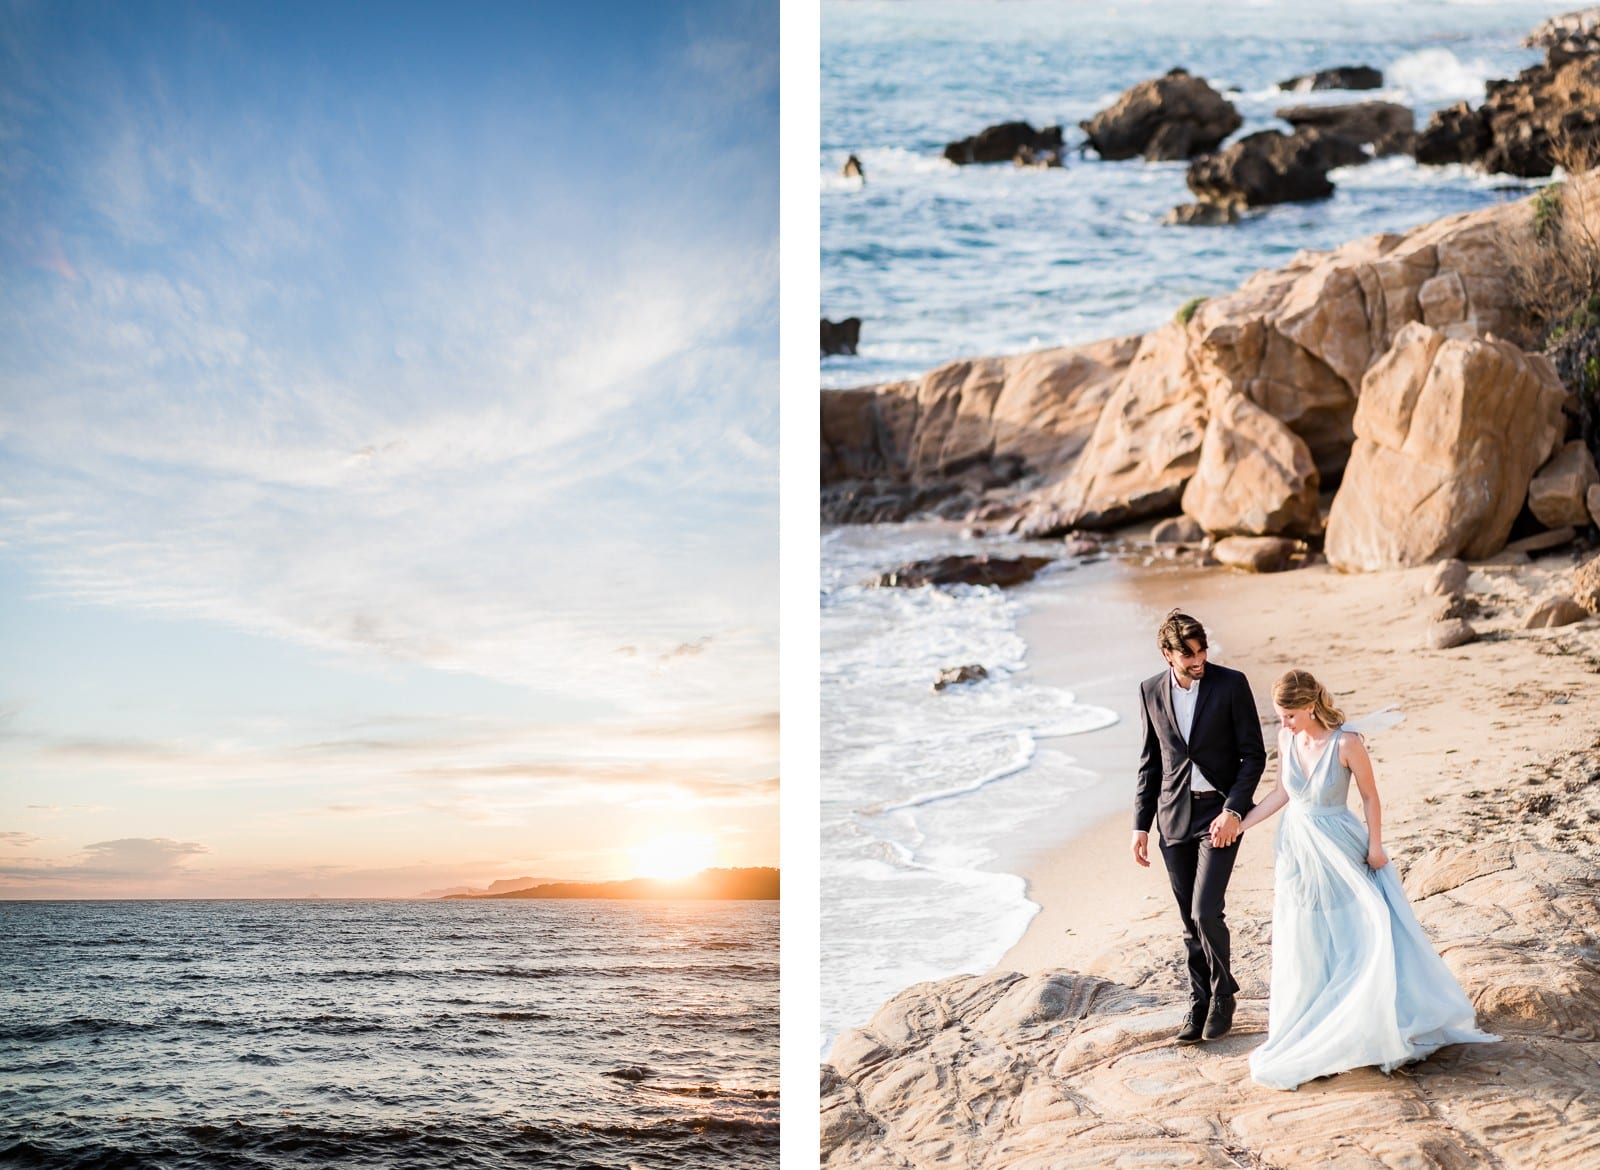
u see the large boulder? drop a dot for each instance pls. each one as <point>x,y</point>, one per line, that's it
<point>1559,492</point>
<point>1144,447</point>
<point>1387,127</point>
<point>1256,476</point>
<point>1448,435</point>
<point>1339,77</point>
<point>1003,143</point>
<point>1173,117</point>
<point>1272,167</point>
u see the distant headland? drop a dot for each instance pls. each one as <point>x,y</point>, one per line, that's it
<point>757,883</point>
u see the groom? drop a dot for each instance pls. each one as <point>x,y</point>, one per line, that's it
<point>1202,758</point>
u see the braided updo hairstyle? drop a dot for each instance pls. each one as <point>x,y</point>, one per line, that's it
<point>1298,689</point>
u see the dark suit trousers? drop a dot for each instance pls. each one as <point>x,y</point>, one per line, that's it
<point>1199,876</point>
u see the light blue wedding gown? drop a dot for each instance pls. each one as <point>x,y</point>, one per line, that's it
<point>1355,981</point>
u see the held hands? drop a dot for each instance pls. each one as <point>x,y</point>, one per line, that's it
<point>1225,830</point>
<point>1141,848</point>
<point>1376,857</point>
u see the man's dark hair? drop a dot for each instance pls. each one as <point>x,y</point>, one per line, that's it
<point>1177,631</point>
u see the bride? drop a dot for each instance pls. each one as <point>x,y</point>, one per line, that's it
<point>1354,979</point>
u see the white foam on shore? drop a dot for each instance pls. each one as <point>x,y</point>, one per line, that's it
<point>926,794</point>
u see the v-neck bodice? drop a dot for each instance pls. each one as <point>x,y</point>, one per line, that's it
<point>1326,785</point>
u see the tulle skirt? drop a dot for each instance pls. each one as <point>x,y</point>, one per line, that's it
<point>1355,981</point>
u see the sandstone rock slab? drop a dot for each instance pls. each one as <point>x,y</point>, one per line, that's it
<point>1448,435</point>
<point>1255,477</point>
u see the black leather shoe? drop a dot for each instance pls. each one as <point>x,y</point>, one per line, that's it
<point>1220,1020</point>
<point>1195,1027</point>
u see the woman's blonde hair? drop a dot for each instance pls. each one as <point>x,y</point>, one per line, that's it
<point>1298,690</point>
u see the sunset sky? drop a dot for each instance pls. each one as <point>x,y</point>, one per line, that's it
<point>388,444</point>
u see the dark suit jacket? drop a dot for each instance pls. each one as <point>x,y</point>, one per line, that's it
<point>1225,741</point>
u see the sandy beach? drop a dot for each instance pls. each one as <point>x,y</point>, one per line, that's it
<point>1062,1055</point>
<point>1482,716</point>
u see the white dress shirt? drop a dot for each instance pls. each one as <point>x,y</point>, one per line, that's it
<point>1183,702</point>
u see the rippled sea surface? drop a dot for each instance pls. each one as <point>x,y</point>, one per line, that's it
<point>389,1034</point>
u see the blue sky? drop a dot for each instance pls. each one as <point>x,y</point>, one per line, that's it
<point>388,443</point>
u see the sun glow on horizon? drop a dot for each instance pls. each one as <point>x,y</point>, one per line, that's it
<point>673,855</point>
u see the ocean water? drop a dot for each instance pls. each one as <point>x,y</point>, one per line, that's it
<point>271,1034</point>
<point>926,796</point>
<point>943,262</point>
<point>931,801</point>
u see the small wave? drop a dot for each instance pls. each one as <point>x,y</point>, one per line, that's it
<point>632,1072</point>
<point>260,1058</point>
<point>1024,754</point>
<point>515,1015</point>
<point>68,1029</point>
<point>1438,75</point>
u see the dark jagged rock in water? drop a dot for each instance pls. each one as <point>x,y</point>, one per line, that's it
<point>1524,123</point>
<point>961,570</point>
<point>952,676</point>
<point>1387,127</point>
<point>852,169</point>
<point>1173,117</point>
<point>841,337</point>
<point>1003,143</point>
<point>1456,134</point>
<point>1272,167</point>
<point>1339,77</point>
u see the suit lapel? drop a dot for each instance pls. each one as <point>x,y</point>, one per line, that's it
<point>1201,703</point>
<point>1164,697</point>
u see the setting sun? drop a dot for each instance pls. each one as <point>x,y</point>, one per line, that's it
<point>673,855</point>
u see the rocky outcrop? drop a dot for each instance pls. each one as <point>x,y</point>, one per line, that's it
<point>1077,1071</point>
<point>841,337</point>
<point>1173,117</point>
<point>1448,436</point>
<point>1576,34</point>
<point>1387,127</point>
<point>1525,122</point>
<point>1339,77</point>
<point>1004,143</point>
<point>1272,167</point>
<point>1118,432</point>
<point>1032,412</point>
